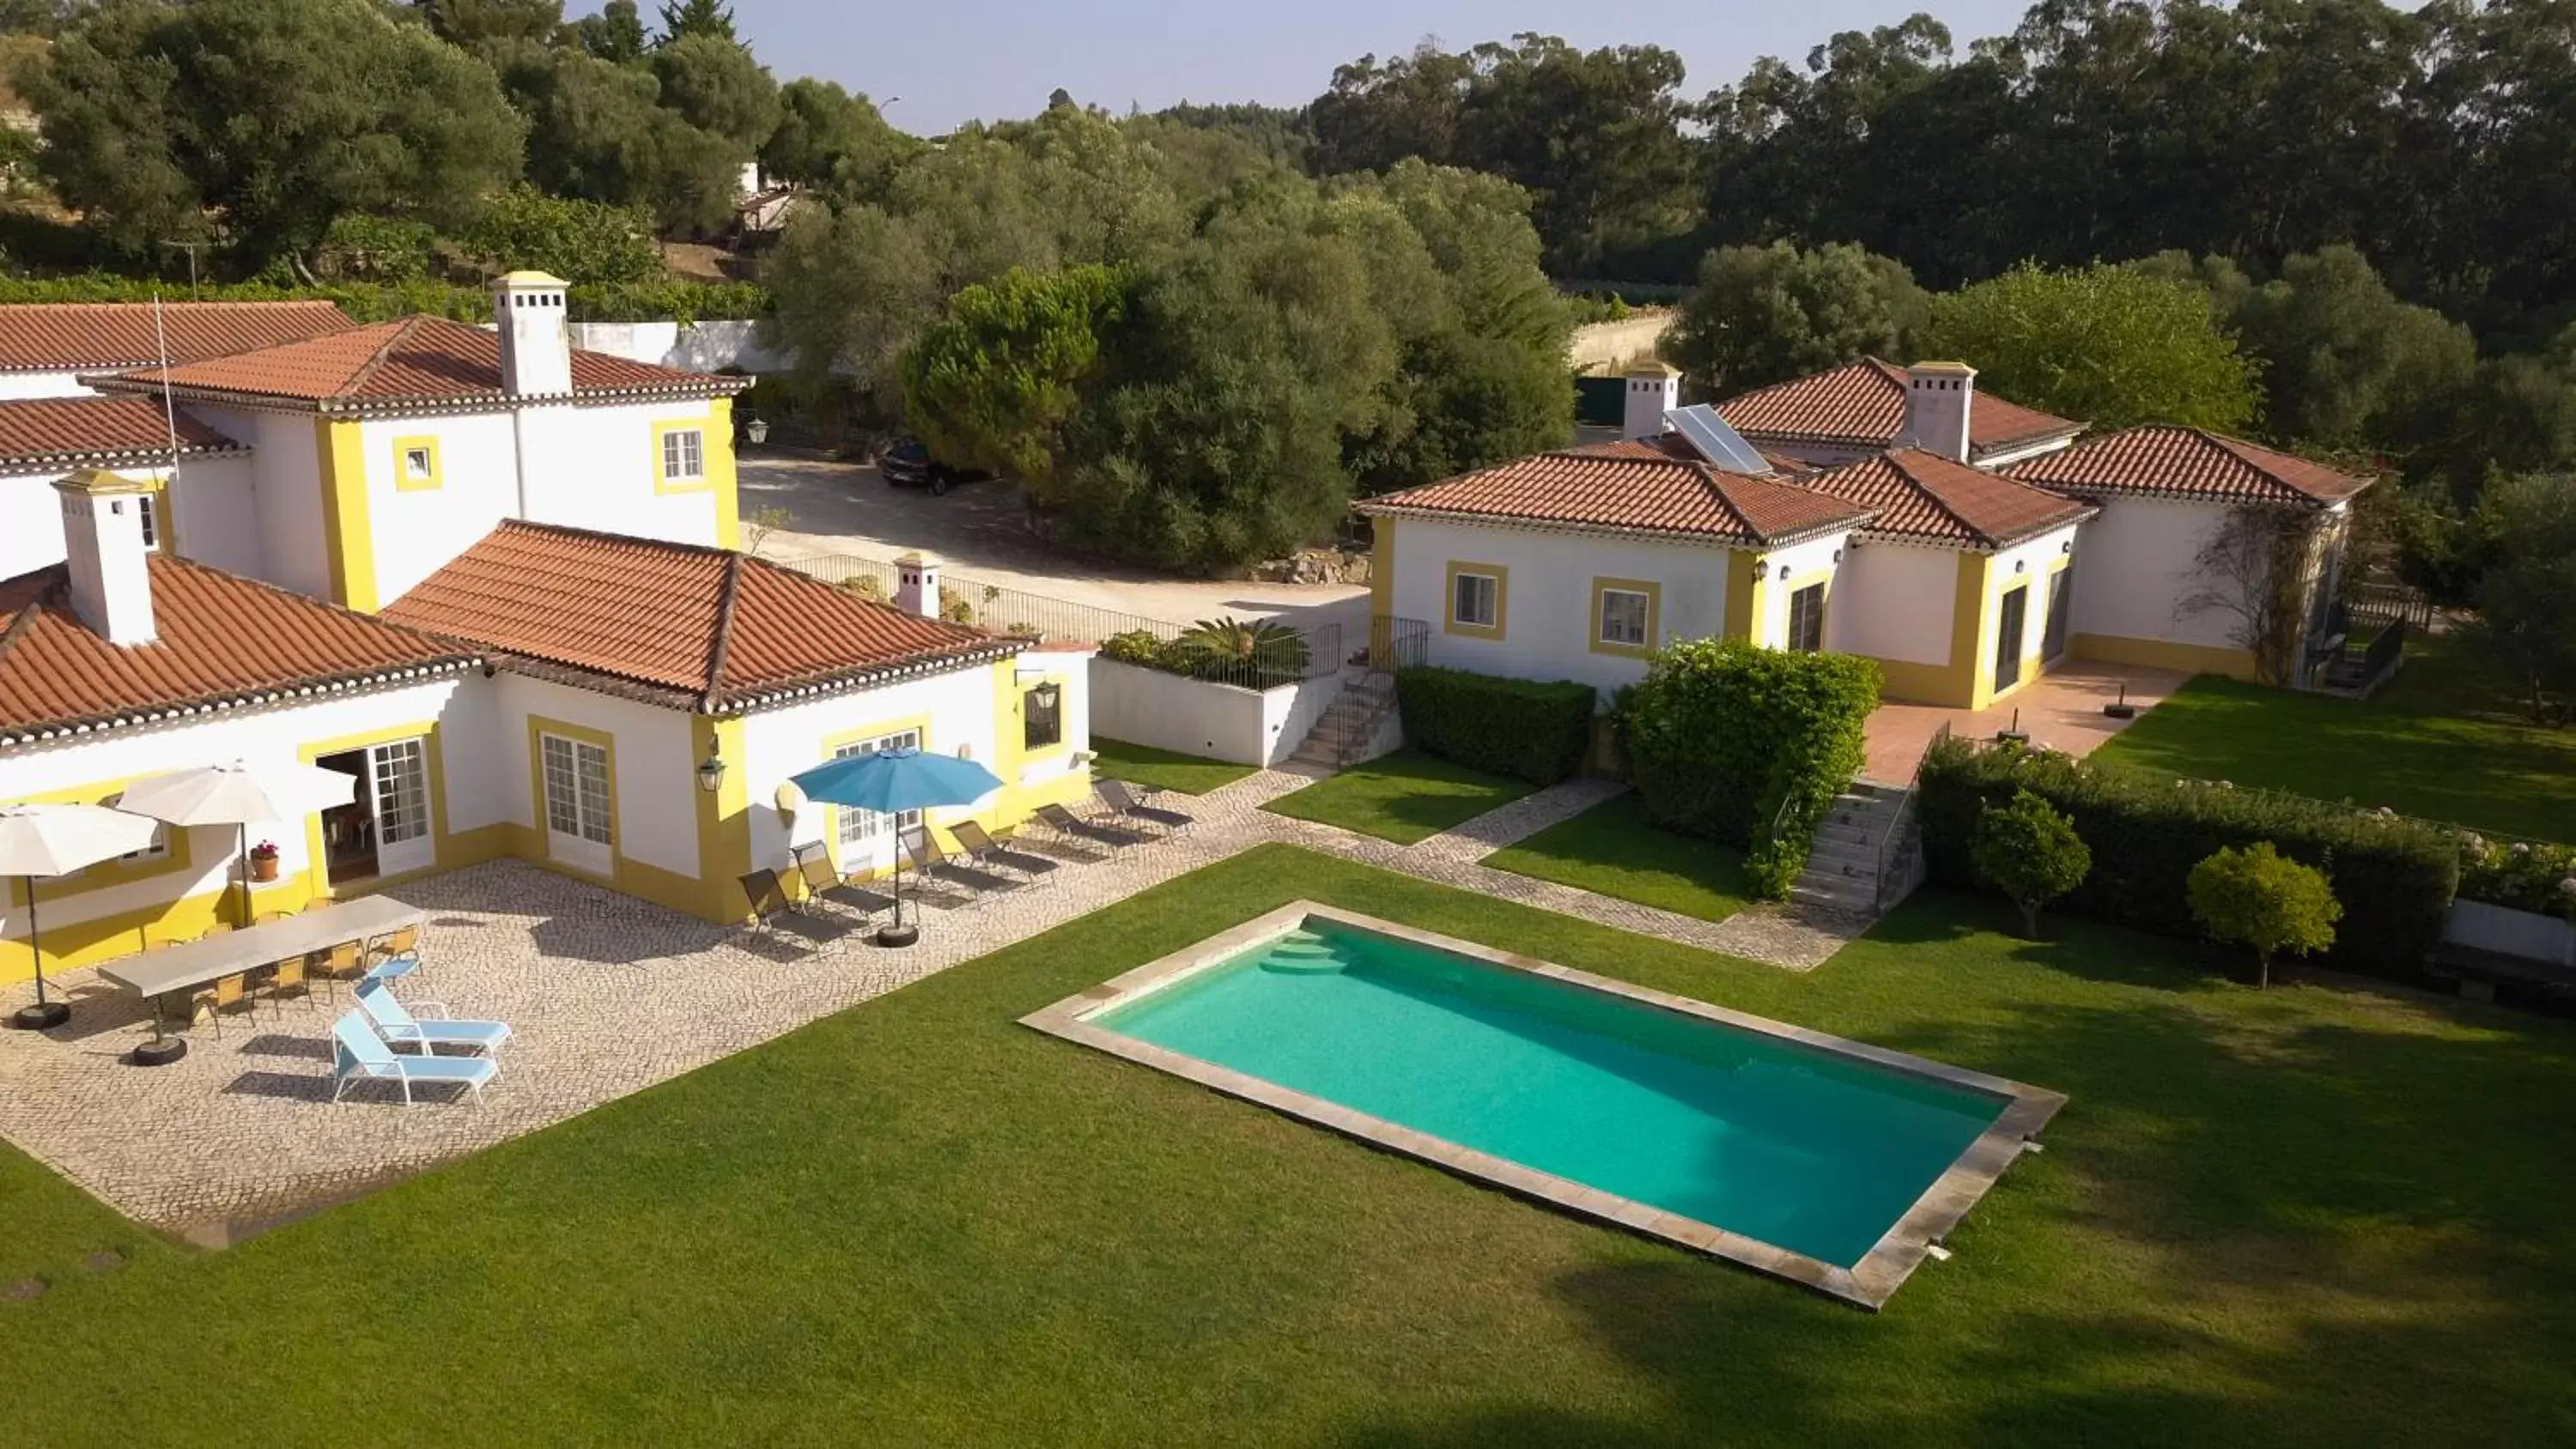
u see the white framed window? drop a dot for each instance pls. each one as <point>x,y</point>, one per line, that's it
<point>1475,600</point>
<point>402,792</point>
<point>1626,617</point>
<point>418,465</point>
<point>684,455</point>
<point>862,831</point>
<point>577,801</point>
<point>147,510</point>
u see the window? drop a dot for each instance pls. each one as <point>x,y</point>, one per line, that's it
<point>2008,631</point>
<point>860,829</point>
<point>1626,618</point>
<point>1477,601</point>
<point>402,793</point>
<point>684,456</point>
<point>149,514</point>
<point>1807,619</point>
<point>415,464</point>
<point>1042,717</point>
<point>577,790</point>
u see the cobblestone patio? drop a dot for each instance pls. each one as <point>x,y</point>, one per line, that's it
<point>607,995</point>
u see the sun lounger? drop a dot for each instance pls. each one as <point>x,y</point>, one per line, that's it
<point>983,849</point>
<point>1065,822</point>
<point>401,1028</point>
<point>936,864</point>
<point>359,1055</point>
<point>823,883</point>
<point>1126,805</point>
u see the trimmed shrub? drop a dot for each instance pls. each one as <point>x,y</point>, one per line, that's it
<point>2255,897</point>
<point>2394,876</point>
<point>2031,853</point>
<point>1726,739</point>
<point>2521,875</point>
<point>1517,727</point>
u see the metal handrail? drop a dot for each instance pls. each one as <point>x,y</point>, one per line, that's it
<point>1904,813</point>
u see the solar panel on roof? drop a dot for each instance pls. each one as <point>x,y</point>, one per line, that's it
<point>1716,440</point>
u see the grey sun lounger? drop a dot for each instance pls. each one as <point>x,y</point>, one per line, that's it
<point>936,864</point>
<point>823,883</point>
<point>1124,803</point>
<point>983,849</point>
<point>359,1055</point>
<point>1068,823</point>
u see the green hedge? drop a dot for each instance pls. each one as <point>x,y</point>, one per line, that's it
<point>2520,874</point>
<point>380,301</point>
<point>1516,727</point>
<point>1725,739</point>
<point>2395,876</point>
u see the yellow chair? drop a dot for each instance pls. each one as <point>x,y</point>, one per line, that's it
<point>229,995</point>
<point>334,966</point>
<point>284,977</point>
<point>219,928</point>
<point>268,917</point>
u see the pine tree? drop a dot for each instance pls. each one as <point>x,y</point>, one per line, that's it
<point>697,17</point>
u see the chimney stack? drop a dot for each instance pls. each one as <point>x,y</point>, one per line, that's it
<point>1653,391</point>
<point>1938,396</point>
<point>916,585</point>
<point>536,336</point>
<point>103,542</point>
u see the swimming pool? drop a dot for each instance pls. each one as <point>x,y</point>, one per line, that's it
<point>1821,1160</point>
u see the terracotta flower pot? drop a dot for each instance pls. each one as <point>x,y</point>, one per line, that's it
<point>263,867</point>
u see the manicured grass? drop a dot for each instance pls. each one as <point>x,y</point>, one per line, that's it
<point>2307,1216</point>
<point>1611,849</point>
<point>1404,797</point>
<point>1162,769</point>
<point>2444,741</point>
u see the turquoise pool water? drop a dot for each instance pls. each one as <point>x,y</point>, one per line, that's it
<point>1797,1147</point>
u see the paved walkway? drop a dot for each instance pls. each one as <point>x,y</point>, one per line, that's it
<point>608,995</point>
<point>2062,710</point>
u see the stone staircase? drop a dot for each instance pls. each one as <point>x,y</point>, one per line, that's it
<point>1351,724</point>
<point>1842,870</point>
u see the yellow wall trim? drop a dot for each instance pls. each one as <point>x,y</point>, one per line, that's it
<point>1382,568</point>
<point>1502,578</point>
<point>722,473</point>
<point>348,542</point>
<point>663,482</point>
<point>1654,593</point>
<point>724,818</point>
<point>2164,654</point>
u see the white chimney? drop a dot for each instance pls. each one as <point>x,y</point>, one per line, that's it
<point>1938,396</point>
<point>103,539</point>
<point>1652,392</point>
<point>916,585</point>
<point>536,337</point>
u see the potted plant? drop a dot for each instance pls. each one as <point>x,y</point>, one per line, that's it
<point>263,860</point>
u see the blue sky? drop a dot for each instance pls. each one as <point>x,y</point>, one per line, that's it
<point>951,62</point>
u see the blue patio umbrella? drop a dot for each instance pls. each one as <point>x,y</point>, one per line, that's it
<point>891,782</point>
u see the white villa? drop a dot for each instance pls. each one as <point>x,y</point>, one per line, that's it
<point>493,579</point>
<point>1967,544</point>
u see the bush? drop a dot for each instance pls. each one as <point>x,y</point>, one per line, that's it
<point>2030,853</point>
<point>579,241</point>
<point>1256,653</point>
<point>1139,647</point>
<point>1516,727</point>
<point>2255,898</point>
<point>2394,876</point>
<point>2521,875</point>
<point>1747,745</point>
<point>360,248</point>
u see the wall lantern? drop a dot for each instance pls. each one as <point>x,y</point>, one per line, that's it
<point>1838,555</point>
<point>2021,565</point>
<point>711,772</point>
<point>1784,573</point>
<point>2067,547</point>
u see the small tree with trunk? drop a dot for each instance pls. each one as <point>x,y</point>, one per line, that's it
<point>2031,853</point>
<point>2261,898</point>
<point>2253,569</point>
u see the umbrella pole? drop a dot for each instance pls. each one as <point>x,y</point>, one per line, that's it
<point>44,1015</point>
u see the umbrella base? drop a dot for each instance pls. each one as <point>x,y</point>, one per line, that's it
<point>903,935</point>
<point>160,1053</point>
<point>41,1018</point>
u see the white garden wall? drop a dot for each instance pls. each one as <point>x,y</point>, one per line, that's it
<point>1199,717</point>
<point>2509,932</point>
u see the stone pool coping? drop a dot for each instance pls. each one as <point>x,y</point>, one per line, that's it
<point>1867,1284</point>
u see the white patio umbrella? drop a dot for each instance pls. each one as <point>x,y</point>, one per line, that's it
<point>239,795</point>
<point>51,840</point>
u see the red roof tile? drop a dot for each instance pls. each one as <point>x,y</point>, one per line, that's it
<point>222,637</point>
<point>1628,489</point>
<point>416,359</point>
<point>73,336</point>
<point>2180,462</point>
<point>1926,496</point>
<point>1862,405</point>
<point>713,625</point>
<point>50,433</point>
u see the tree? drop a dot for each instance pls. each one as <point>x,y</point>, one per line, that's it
<point>265,118</point>
<point>993,382</point>
<point>2031,853</point>
<point>2260,898</point>
<point>615,34</point>
<point>2526,593</point>
<point>2113,346</point>
<point>712,19</point>
<point>597,133</point>
<point>1761,315</point>
<point>469,23</point>
<point>829,138</point>
<point>583,242</point>
<point>717,87</point>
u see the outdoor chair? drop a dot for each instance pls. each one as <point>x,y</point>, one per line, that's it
<point>229,996</point>
<point>936,864</point>
<point>393,954</point>
<point>983,849</point>
<point>1065,822</point>
<point>286,977</point>
<point>767,897</point>
<point>401,1027</point>
<point>1126,805</point>
<point>824,883</point>
<point>272,917</point>
<point>218,928</point>
<point>359,1055</point>
<point>338,964</point>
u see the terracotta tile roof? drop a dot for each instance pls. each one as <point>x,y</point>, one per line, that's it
<point>1630,489</point>
<point>1925,496</point>
<point>1674,445</point>
<point>223,639</point>
<point>2186,463</point>
<point>73,336</point>
<point>54,433</point>
<point>695,627</point>
<point>1862,405</point>
<point>416,359</point>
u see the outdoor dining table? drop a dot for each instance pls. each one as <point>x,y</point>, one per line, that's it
<point>209,959</point>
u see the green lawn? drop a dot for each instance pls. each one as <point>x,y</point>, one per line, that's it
<point>1612,850</point>
<point>1162,769</point>
<point>1403,797</point>
<point>2444,741</point>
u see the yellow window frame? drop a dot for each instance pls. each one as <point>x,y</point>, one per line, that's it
<point>404,482</point>
<point>1449,621</point>
<point>1654,594</point>
<point>706,479</point>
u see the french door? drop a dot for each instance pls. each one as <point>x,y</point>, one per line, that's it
<point>2061,611</point>
<point>2008,635</point>
<point>398,786</point>
<point>581,825</point>
<point>864,840</point>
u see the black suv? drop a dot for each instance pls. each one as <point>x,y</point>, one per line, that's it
<point>908,464</point>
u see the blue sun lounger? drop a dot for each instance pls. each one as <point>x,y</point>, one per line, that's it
<point>401,1028</point>
<point>359,1055</point>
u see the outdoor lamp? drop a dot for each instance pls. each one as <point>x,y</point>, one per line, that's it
<point>711,772</point>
